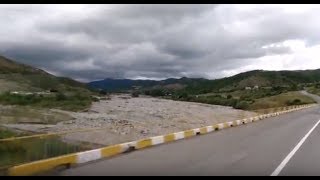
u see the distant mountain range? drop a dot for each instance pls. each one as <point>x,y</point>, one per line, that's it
<point>127,84</point>
<point>19,77</point>
<point>200,85</point>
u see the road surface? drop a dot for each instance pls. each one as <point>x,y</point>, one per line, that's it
<point>284,145</point>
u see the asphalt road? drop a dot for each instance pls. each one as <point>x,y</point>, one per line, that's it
<point>284,145</point>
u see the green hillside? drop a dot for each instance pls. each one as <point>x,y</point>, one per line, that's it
<point>288,79</point>
<point>285,79</point>
<point>64,93</point>
<point>30,78</point>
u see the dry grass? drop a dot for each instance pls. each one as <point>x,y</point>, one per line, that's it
<point>280,100</point>
<point>314,90</point>
<point>25,114</point>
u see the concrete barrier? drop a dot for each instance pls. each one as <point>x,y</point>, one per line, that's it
<point>92,155</point>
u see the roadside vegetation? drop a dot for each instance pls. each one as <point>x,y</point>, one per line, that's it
<point>5,133</point>
<point>32,115</point>
<point>17,152</point>
<point>22,151</point>
<point>314,89</point>
<point>251,99</point>
<point>71,101</point>
<point>281,100</point>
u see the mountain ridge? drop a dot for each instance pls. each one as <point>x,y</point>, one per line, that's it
<point>14,75</point>
<point>238,81</point>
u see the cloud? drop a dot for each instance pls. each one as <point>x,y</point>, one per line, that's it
<point>90,42</point>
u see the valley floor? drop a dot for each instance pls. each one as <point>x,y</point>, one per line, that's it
<point>125,119</point>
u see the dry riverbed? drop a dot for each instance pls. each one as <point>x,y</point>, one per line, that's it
<point>125,119</point>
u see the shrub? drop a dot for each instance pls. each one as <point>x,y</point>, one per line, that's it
<point>242,105</point>
<point>61,101</point>
<point>294,102</point>
<point>297,101</point>
<point>61,97</point>
<point>229,96</point>
<point>184,95</point>
<point>54,90</point>
<point>157,92</point>
<point>102,92</point>
<point>95,99</point>
<point>135,94</point>
<point>147,92</point>
<point>4,133</point>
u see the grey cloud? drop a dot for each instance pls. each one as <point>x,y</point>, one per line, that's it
<point>153,41</point>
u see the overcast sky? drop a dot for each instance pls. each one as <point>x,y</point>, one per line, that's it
<point>92,42</point>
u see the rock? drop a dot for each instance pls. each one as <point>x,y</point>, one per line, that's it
<point>69,122</point>
<point>144,132</point>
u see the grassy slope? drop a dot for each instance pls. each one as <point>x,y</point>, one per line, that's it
<point>314,90</point>
<point>24,114</point>
<point>279,100</point>
<point>23,151</point>
<point>252,78</point>
<point>71,102</point>
<point>4,133</point>
<point>291,80</point>
<point>235,94</point>
<point>33,77</point>
<point>253,100</point>
<point>19,77</point>
<point>8,66</point>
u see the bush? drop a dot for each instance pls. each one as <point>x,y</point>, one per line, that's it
<point>294,102</point>
<point>61,101</point>
<point>61,97</point>
<point>233,102</point>
<point>147,92</point>
<point>242,105</point>
<point>229,96</point>
<point>297,101</point>
<point>217,96</point>
<point>243,97</point>
<point>102,92</point>
<point>183,95</point>
<point>157,92</point>
<point>54,90</point>
<point>135,94</point>
<point>4,133</point>
<point>95,99</point>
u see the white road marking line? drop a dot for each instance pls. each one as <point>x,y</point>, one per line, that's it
<point>289,156</point>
